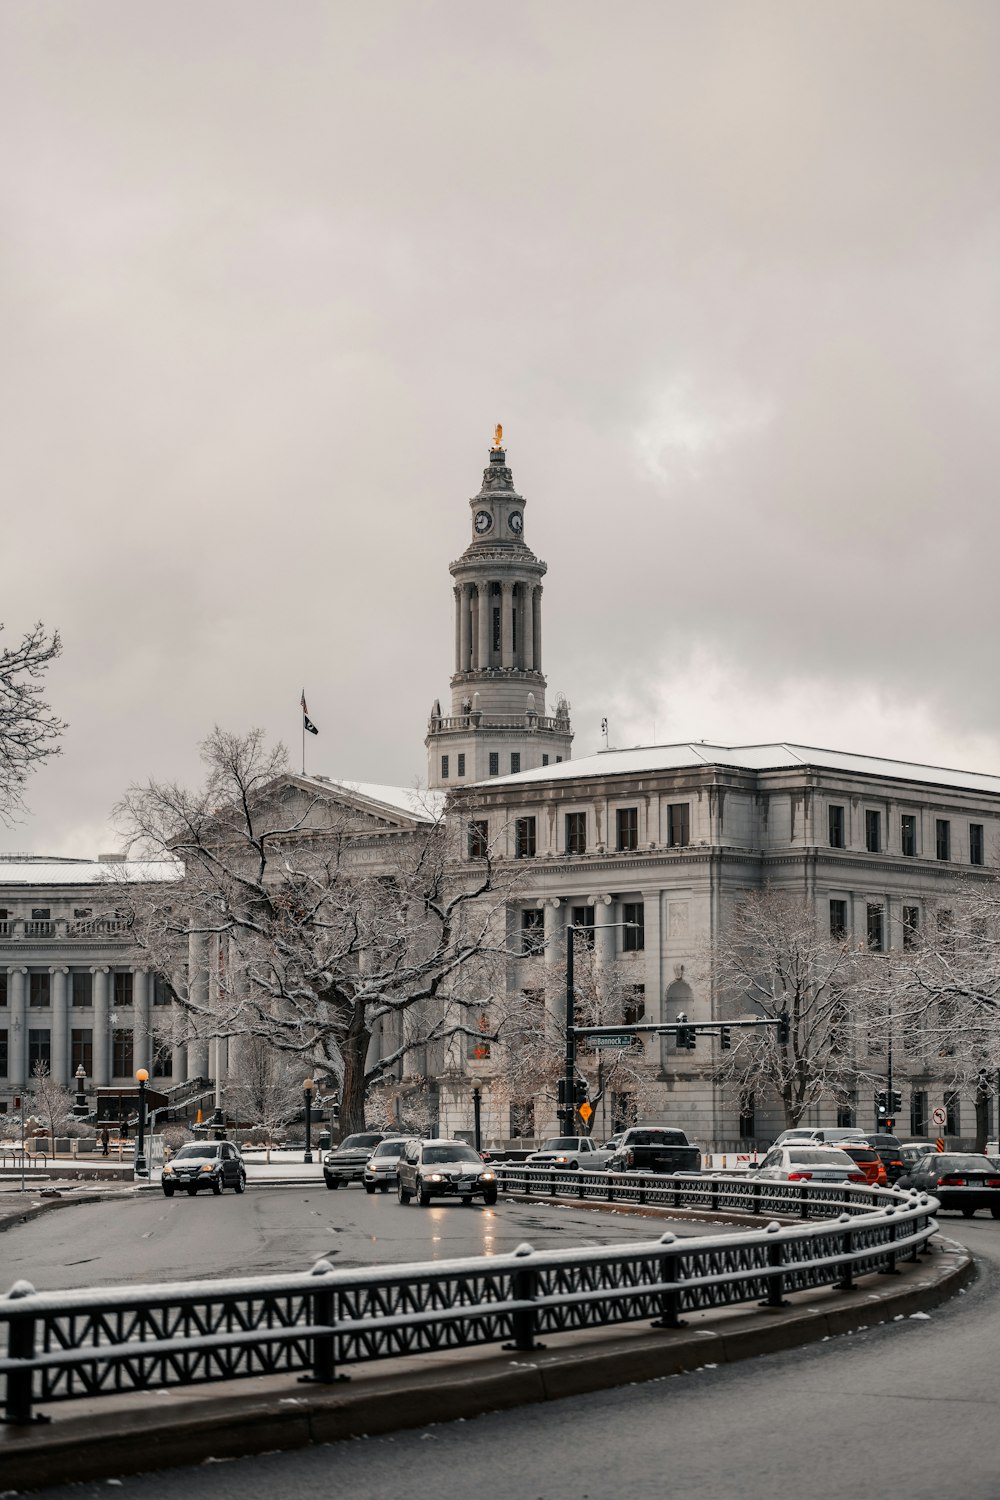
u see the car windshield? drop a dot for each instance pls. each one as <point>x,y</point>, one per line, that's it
<point>655,1138</point>
<point>561,1143</point>
<point>438,1154</point>
<point>202,1150</point>
<point>859,1153</point>
<point>962,1164</point>
<point>389,1148</point>
<point>800,1158</point>
<point>355,1142</point>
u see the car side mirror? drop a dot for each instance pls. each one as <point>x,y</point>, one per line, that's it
<point>754,1166</point>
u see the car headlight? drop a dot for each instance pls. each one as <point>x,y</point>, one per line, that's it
<point>435,1177</point>
<point>208,1167</point>
<point>486,1176</point>
<point>168,1168</point>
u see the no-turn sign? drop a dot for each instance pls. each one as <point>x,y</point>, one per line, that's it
<point>939,1115</point>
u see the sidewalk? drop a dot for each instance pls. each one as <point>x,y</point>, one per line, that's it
<point>105,1438</point>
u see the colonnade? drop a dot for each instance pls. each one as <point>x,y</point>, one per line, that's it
<point>498,624</point>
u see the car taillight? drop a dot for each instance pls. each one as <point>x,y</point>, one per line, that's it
<point>993,1182</point>
<point>856,1177</point>
<point>800,1177</point>
<point>951,1182</point>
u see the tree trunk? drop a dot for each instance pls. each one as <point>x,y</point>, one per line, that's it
<point>352,1094</point>
<point>982,1111</point>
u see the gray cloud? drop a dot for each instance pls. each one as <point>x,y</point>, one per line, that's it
<point>725,272</point>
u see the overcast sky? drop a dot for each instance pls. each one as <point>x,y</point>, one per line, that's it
<point>726,272</point>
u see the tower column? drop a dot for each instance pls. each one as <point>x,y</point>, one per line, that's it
<point>536,605</point>
<point>465,631</point>
<point>507,624</point>
<point>527,628</point>
<point>59,1066</point>
<point>17,981</point>
<point>484,627</point>
<point>459,659</point>
<point>102,1021</point>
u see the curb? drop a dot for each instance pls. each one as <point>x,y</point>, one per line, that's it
<point>132,1439</point>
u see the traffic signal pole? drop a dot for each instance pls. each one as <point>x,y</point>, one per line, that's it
<point>568,1110</point>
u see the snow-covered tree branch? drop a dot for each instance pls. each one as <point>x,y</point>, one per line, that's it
<point>28,727</point>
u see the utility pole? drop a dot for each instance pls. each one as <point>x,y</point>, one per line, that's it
<point>568,1110</point>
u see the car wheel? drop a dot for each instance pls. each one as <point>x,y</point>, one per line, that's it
<point>995,1213</point>
<point>369,1187</point>
<point>967,1213</point>
<point>466,1200</point>
<point>423,1195</point>
<point>402,1194</point>
<point>490,1196</point>
<point>192,1190</point>
<point>217,1188</point>
<point>168,1192</point>
<point>240,1185</point>
<point>333,1183</point>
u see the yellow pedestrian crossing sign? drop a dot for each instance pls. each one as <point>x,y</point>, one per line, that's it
<point>585,1111</point>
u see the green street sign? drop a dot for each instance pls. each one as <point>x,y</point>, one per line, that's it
<point>617,1042</point>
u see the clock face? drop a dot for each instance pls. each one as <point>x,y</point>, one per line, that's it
<point>484,521</point>
<point>516,522</point>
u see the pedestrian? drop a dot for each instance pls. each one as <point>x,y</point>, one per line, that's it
<point>105,1141</point>
<point>123,1130</point>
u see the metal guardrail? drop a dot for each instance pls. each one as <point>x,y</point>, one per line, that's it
<point>59,1346</point>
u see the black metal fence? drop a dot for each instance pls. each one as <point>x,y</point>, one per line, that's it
<point>60,1346</point>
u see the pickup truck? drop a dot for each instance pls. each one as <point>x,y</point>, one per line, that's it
<point>572,1152</point>
<point>655,1148</point>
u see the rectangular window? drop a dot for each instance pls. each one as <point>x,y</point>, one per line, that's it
<point>634,931</point>
<point>908,835</point>
<point>496,628</point>
<point>545,760</point>
<point>532,931</point>
<point>478,1045</point>
<point>444,768</point>
<point>911,925</point>
<point>40,913</point>
<point>953,1124</point>
<point>845,1116</point>
<point>873,831</point>
<point>461,765</point>
<point>678,824</point>
<point>515,762</point>
<point>161,990</point>
<point>976,844</point>
<point>39,1048</point>
<point>876,926</point>
<point>524,838</point>
<point>748,1119</point>
<point>943,839</point>
<point>81,1050</point>
<point>838,920</point>
<point>83,987</point>
<point>576,833</point>
<point>627,828</point>
<point>635,1007</point>
<point>124,988</point>
<point>121,1052</point>
<point>522,1119</point>
<point>82,912</point>
<point>918,1113</point>
<point>583,926</point>
<point>836,816</point>
<point>479,839</point>
<point>3,987</point>
<point>39,989</point>
<point>163,1060</point>
<point>4,1060</point>
<point>494,762</point>
<point>945,931</point>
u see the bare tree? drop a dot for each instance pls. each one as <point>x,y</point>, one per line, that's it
<point>264,1087</point>
<point>52,1102</point>
<point>325,937</point>
<point>28,727</point>
<point>776,961</point>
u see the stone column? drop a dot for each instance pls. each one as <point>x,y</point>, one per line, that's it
<point>528,628</point>
<point>555,957</point>
<point>59,1067</point>
<point>142,1039</point>
<point>506,624</point>
<point>652,918</point>
<point>485,632</point>
<point>102,1034</point>
<point>605,946</point>
<point>197,1050</point>
<point>465,628</point>
<point>537,607</point>
<point>457,591</point>
<point>17,983</point>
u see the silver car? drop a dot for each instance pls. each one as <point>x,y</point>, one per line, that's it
<point>381,1168</point>
<point>444,1169</point>
<point>809,1164</point>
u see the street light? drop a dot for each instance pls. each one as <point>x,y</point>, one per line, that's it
<point>142,1077</point>
<point>80,1107</point>
<point>308,1089</point>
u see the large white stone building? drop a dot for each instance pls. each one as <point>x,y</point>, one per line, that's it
<point>661,838</point>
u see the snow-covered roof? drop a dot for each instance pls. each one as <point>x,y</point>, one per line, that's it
<point>422,803</point>
<point>46,870</point>
<point>769,757</point>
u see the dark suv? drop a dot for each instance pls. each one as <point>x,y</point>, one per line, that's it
<point>890,1154</point>
<point>204,1164</point>
<point>346,1162</point>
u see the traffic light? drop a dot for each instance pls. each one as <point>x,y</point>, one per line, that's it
<point>580,1092</point>
<point>896,1102</point>
<point>561,1091</point>
<point>882,1105</point>
<point>686,1038</point>
<point>784,1030</point>
<point>725,1038</point>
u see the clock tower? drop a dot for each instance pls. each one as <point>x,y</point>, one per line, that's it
<point>497,725</point>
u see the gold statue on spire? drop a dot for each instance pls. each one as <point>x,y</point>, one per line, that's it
<point>497,438</point>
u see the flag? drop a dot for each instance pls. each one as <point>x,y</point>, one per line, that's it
<point>307,723</point>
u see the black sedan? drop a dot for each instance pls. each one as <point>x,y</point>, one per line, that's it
<point>962,1182</point>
